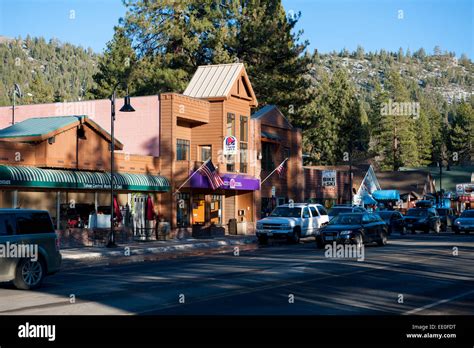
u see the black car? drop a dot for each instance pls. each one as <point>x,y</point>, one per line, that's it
<point>354,228</point>
<point>465,223</point>
<point>422,219</point>
<point>394,220</point>
<point>343,208</point>
<point>447,217</point>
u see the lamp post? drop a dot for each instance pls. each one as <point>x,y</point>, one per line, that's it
<point>127,107</point>
<point>16,92</point>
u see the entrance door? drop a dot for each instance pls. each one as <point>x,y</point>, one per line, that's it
<point>199,209</point>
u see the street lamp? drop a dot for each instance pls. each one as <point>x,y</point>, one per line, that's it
<point>127,107</point>
<point>16,92</point>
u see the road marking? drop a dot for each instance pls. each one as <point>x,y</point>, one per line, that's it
<point>416,310</point>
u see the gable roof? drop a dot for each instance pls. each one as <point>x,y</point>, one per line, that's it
<point>404,181</point>
<point>272,110</point>
<point>216,81</point>
<point>41,128</point>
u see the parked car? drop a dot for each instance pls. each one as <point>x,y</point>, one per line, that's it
<point>422,219</point>
<point>465,222</point>
<point>292,221</point>
<point>30,228</point>
<point>447,217</point>
<point>354,228</point>
<point>341,208</point>
<point>394,220</point>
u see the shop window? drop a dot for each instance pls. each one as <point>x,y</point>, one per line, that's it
<point>243,157</point>
<point>205,152</point>
<point>182,216</point>
<point>230,124</point>
<point>215,209</point>
<point>267,156</point>
<point>182,150</point>
<point>199,209</point>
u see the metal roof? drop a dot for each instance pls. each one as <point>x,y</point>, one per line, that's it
<point>213,81</point>
<point>259,113</point>
<point>32,177</point>
<point>34,127</point>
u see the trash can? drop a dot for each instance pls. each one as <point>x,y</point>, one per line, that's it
<point>233,226</point>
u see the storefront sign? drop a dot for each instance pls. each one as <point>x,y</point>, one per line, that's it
<point>230,145</point>
<point>329,178</point>
<point>464,189</point>
<point>231,182</point>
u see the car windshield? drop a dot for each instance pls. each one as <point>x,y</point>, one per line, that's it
<point>347,219</point>
<point>338,210</point>
<point>468,213</point>
<point>417,212</point>
<point>286,212</point>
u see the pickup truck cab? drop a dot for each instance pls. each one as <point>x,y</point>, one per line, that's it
<point>292,221</point>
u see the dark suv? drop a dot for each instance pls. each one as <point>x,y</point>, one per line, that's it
<point>29,247</point>
<point>422,219</point>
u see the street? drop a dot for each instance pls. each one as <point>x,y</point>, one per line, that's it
<point>418,274</point>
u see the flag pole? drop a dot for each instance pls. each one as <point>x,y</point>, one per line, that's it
<point>189,178</point>
<point>273,171</point>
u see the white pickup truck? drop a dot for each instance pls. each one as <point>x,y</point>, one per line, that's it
<point>292,221</point>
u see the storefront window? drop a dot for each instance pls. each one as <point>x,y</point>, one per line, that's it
<point>182,150</point>
<point>199,209</point>
<point>215,210</point>
<point>182,217</point>
<point>205,152</point>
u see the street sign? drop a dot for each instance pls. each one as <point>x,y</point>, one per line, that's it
<point>329,178</point>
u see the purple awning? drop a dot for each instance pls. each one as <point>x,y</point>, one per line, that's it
<point>231,182</point>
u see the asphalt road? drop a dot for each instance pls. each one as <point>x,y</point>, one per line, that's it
<point>421,270</point>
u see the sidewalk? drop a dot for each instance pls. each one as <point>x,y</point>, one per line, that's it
<point>153,250</point>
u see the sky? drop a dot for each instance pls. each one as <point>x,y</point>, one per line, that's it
<point>328,24</point>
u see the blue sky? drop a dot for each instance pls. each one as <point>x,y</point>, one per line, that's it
<point>327,24</point>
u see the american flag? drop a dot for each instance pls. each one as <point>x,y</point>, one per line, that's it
<point>281,168</point>
<point>210,172</point>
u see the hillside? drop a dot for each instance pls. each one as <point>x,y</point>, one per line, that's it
<point>45,71</point>
<point>440,73</point>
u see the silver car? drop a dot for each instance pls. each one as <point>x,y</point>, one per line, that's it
<point>29,247</point>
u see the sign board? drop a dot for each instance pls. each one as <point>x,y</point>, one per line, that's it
<point>273,191</point>
<point>464,189</point>
<point>232,183</point>
<point>329,178</point>
<point>230,145</point>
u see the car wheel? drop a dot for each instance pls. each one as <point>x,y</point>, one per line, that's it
<point>437,228</point>
<point>382,239</point>
<point>29,274</point>
<point>413,231</point>
<point>319,242</point>
<point>295,237</point>
<point>263,240</point>
<point>456,231</point>
<point>403,230</point>
<point>426,230</point>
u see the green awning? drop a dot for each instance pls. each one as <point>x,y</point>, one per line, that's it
<point>32,177</point>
